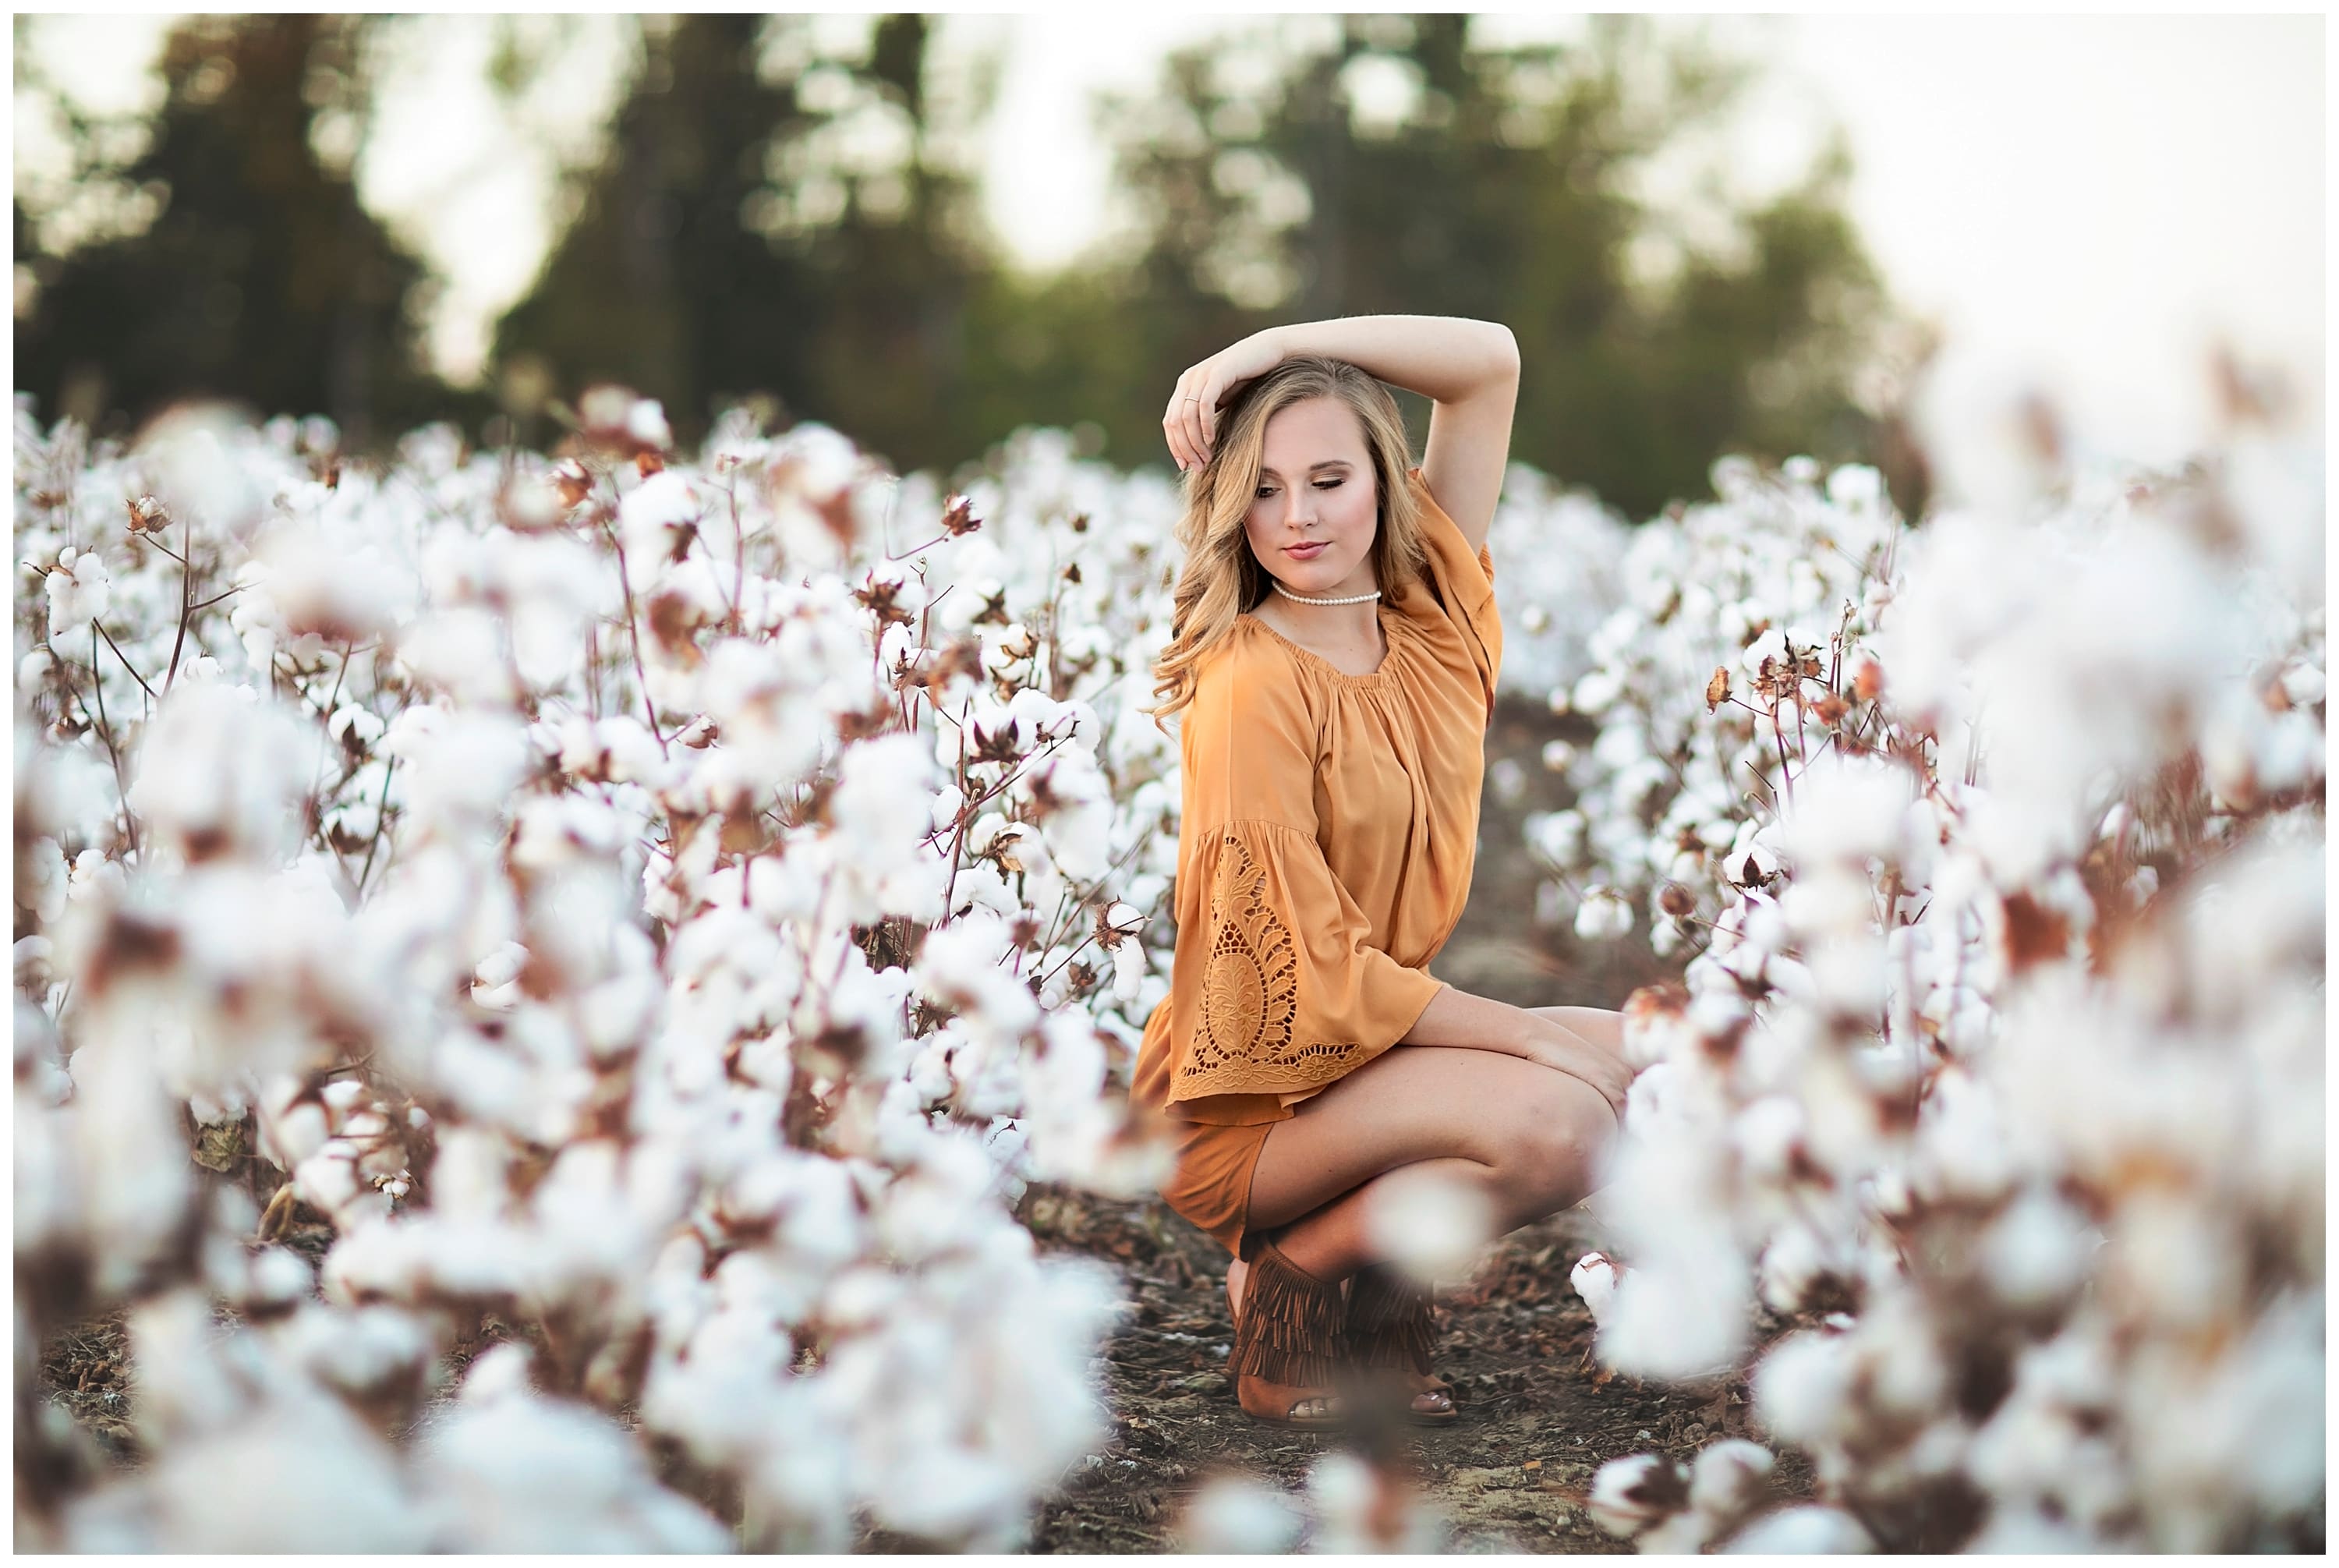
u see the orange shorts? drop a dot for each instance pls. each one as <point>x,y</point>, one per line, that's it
<point>1210,1187</point>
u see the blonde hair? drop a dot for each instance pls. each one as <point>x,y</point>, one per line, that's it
<point>1222,577</point>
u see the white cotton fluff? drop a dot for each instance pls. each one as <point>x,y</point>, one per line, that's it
<point>1800,1387</point>
<point>1433,1227</point>
<point>518,1473</point>
<point>1769,648</point>
<point>1355,1512</point>
<point>1633,1494</point>
<point>1127,969</point>
<point>1729,1478</point>
<point>1594,1278</point>
<point>1558,836</point>
<point>652,516</point>
<point>300,1473</point>
<point>2035,1252</point>
<point>1234,1513</point>
<point>1803,1530</point>
<point>80,591</point>
<point>1603,914</point>
<point>217,774</point>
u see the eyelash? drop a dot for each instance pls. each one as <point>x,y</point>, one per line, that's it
<point>1323,484</point>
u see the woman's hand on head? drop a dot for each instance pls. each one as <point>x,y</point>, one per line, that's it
<point>1191,424</point>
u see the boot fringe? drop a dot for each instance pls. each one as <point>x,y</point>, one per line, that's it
<point>1291,1328</point>
<point>1389,1320</point>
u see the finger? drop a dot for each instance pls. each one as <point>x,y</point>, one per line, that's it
<point>1173,421</point>
<point>1188,426</point>
<point>1197,398</point>
<point>1205,408</point>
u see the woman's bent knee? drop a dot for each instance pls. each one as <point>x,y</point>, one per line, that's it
<point>1554,1143</point>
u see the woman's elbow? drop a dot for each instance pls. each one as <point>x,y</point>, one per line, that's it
<point>1503,354</point>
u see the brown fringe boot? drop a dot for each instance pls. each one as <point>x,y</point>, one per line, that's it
<point>1289,1332</point>
<point>1390,1325</point>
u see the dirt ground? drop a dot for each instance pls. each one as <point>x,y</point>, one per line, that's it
<point>1508,1476</point>
<point>1537,1420</point>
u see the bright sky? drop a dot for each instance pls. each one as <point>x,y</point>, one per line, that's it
<point>2083,201</point>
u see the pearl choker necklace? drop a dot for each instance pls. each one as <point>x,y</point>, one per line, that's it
<point>1352,600</point>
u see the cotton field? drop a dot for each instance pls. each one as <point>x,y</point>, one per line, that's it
<point>676,902</point>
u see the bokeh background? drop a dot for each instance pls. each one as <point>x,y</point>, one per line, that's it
<point>1764,235</point>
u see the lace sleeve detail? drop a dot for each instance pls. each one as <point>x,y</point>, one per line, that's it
<point>1290,997</point>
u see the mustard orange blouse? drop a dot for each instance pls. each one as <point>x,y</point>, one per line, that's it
<point>1329,827</point>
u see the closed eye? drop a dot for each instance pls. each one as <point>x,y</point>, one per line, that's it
<point>1320,484</point>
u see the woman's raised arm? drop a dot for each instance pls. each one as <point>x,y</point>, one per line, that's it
<point>1468,369</point>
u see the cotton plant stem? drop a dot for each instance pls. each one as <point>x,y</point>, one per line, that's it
<point>105,733</point>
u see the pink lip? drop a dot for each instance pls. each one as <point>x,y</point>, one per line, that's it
<point>1305,552</point>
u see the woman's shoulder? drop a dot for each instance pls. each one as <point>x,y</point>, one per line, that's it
<point>1253,677</point>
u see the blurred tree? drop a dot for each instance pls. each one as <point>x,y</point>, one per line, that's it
<point>1394,168</point>
<point>787,207</point>
<point>658,283</point>
<point>772,219</point>
<point>229,256</point>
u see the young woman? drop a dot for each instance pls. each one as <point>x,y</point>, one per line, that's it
<point>1334,650</point>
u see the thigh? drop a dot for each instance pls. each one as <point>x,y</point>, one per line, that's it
<point>1411,1104</point>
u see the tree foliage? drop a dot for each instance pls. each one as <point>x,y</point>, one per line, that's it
<point>1505,187</point>
<point>261,276</point>
<point>782,213</point>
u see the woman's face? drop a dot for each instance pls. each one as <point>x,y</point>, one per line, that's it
<point>1314,486</point>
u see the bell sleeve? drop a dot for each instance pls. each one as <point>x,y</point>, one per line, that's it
<point>1278,983</point>
<point>1466,586</point>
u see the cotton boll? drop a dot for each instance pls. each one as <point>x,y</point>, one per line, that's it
<point>184,1385</point>
<point>279,1278</point>
<point>1128,967</point>
<point>1796,1260</point>
<point>1558,836</point>
<point>1752,862</point>
<point>653,518</point>
<point>1827,899</point>
<point>1769,649</point>
<point>950,1494</point>
<point>1433,1227</point>
<point>520,1472</point>
<point>2029,1532</point>
<point>2034,1255</point>
<point>1233,1514</point>
<point>1846,808</point>
<point>1768,1135</point>
<point>1848,974</point>
<point>80,591</point>
<point>1361,1508</point>
<point>1632,1495</point>
<point>1804,1530</point>
<point>43,887</point>
<point>1730,1479</point>
<point>2173,1260</point>
<point>219,776</point>
<point>1604,915</point>
<point>1800,1388</point>
<point>1594,693</point>
<point>1679,1312</point>
<point>1594,1278</point>
<point>299,1474</point>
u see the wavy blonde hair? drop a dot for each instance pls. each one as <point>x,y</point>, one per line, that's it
<point>1222,577</point>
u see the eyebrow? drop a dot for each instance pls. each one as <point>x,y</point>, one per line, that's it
<point>1312,467</point>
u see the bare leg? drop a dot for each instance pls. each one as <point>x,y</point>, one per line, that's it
<point>1533,1141</point>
